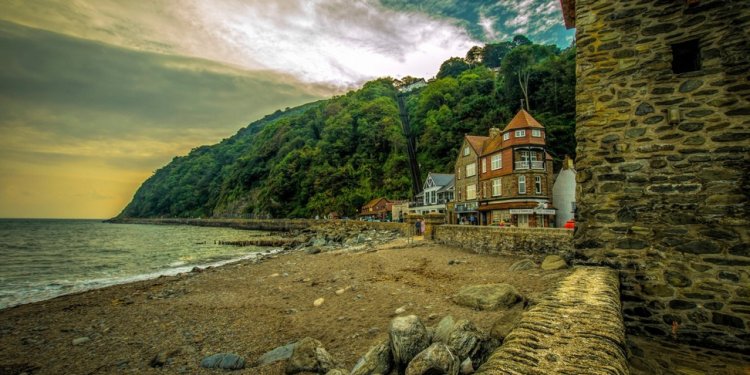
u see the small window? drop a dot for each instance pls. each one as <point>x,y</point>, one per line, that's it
<point>471,192</point>
<point>521,184</point>
<point>538,184</point>
<point>471,170</point>
<point>520,133</point>
<point>466,151</point>
<point>536,133</point>
<point>506,136</point>
<point>686,56</point>
<point>484,165</point>
<point>496,187</point>
<point>497,161</point>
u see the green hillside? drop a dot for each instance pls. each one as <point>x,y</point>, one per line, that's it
<point>336,154</point>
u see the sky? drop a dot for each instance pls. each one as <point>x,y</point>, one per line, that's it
<point>95,95</point>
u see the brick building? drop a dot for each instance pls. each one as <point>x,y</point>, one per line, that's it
<point>466,201</point>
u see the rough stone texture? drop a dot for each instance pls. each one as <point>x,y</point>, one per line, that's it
<point>575,329</point>
<point>509,241</point>
<point>522,265</point>
<point>377,360</point>
<point>408,337</point>
<point>225,361</point>
<point>554,262</point>
<point>436,359</point>
<point>488,297</point>
<point>670,225</point>
<point>281,353</point>
<point>309,356</point>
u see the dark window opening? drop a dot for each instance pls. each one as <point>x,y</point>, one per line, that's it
<point>686,56</point>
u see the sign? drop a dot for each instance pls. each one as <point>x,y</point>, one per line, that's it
<point>544,211</point>
<point>521,211</point>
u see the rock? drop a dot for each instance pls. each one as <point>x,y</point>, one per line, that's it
<point>505,323</point>
<point>436,359</point>
<point>313,250</point>
<point>319,241</point>
<point>522,265</point>
<point>443,329</point>
<point>337,371</point>
<point>377,360</point>
<point>225,361</point>
<point>554,262</point>
<point>81,340</point>
<point>466,367</point>
<point>464,339</point>
<point>309,355</point>
<point>400,310</point>
<point>319,302</point>
<point>279,354</point>
<point>408,337</point>
<point>488,297</point>
<point>162,358</point>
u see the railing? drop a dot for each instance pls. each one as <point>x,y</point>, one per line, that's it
<point>422,204</point>
<point>529,165</point>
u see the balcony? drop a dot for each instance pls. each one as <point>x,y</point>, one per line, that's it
<point>529,165</point>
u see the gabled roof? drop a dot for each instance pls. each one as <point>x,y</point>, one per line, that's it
<point>374,202</point>
<point>441,179</point>
<point>476,142</point>
<point>569,13</point>
<point>449,186</point>
<point>492,145</point>
<point>523,120</point>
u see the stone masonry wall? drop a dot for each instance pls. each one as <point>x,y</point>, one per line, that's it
<point>513,241</point>
<point>665,202</point>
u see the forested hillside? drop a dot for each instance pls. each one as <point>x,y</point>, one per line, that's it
<point>337,154</point>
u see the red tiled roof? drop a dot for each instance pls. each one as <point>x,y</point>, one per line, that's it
<point>373,202</point>
<point>569,13</point>
<point>476,142</point>
<point>523,120</point>
<point>492,145</point>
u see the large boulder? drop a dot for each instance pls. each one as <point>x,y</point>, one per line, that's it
<point>443,329</point>
<point>408,337</point>
<point>436,359</point>
<point>488,297</point>
<point>309,356</point>
<point>225,361</point>
<point>377,360</point>
<point>554,262</point>
<point>464,339</point>
<point>281,353</point>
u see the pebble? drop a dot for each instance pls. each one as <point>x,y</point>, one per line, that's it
<point>274,275</point>
<point>318,302</point>
<point>400,310</point>
<point>81,340</point>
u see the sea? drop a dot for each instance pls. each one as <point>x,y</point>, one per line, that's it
<point>44,258</point>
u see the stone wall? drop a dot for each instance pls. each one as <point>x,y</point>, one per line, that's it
<point>663,161</point>
<point>513,241</point>
<point>575,329</point>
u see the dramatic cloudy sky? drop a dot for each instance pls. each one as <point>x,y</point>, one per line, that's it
<point>97,94</point>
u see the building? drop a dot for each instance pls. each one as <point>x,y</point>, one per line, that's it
<point>663,112</point>
<point>436,193</point>
<point>466,203</point>
<point>399,210</point>
<point>377,209</point>
<point>515,175</point>
<point>564,193</point>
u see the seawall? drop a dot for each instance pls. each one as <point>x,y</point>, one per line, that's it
<point>507,241</point>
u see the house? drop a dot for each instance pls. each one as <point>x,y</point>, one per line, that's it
<point>515,176</point>
<point>376,209</point>
<point>564,193</point>
<point>436,193</point>
<point>466,203</point>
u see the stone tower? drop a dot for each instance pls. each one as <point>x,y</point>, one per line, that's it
<point>663,131</point>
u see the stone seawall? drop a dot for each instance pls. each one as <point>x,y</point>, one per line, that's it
<point>576,329</point>
<point>271,225</point>
<point>495,240</point>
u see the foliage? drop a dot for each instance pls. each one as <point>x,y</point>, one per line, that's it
<point>337,154</point>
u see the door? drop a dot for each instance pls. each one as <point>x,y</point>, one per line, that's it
<point>523,221</point>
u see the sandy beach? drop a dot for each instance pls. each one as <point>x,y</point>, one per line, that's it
<point>168,325</point>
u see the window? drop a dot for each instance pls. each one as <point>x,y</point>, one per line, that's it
<point>466,151</point>
<point>506,136</point>
<point>538,184</point>
<point>520,133</point>
<point>536,133</point>
<point>497,187</point>
<point>521,184</point>
<point>686,56</point>
<point>524,155</point>
<point>458,173</point>
<point>484,165</point>
<point>471,169</point>
<point>471,192</point>
<point>497,161</point>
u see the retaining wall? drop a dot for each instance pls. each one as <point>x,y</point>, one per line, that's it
<point>508,241</point>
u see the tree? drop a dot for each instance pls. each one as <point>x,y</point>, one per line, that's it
<point>453,67</point>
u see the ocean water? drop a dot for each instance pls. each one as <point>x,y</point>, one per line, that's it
<point>42,259</point>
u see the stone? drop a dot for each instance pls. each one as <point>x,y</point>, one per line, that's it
<point>162,358</point>
<point>408,337</point>
<point>400,310</point>
<point>318,302</point>
<point>81,340</point>
<point>281,353</point>
<point>635,132</point>
<point>690,85</point>
<point>338,371</point>
<point>436,359</point>
<point>466,367</point>
<point>727,320</point>
<point>731,276</point>
<point>224,361</point>
<point>699,247</point>
<point>488,297</point>
<point>677,279</point>
<point>309,355</point>
<point>377,360</point>
<point>681,305</point>
<point>522,265</point>
<point>690,126</point>
<point>644,109</point>
<point>313,250</point>
<point>554,262</point>
<point>443,329</point>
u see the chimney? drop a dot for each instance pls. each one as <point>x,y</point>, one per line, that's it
<point>567,163</point>
<point>494,132</point>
